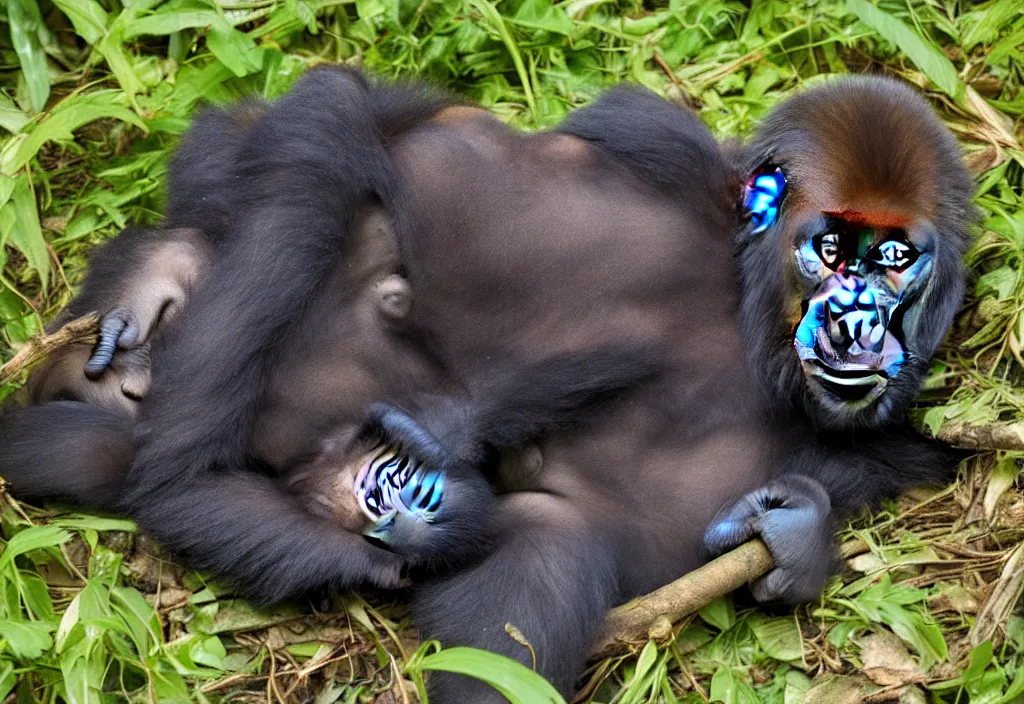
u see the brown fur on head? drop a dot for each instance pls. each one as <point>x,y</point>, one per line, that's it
<point>869,169</point>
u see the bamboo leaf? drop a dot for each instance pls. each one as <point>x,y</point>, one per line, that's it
<point>924,54</point>
<point>22,230</point>
<point>68,117</point>
<point>516,682</point>
<point>26,24</point>
<point>87,17</point>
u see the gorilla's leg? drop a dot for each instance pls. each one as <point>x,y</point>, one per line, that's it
<point>550,576</point>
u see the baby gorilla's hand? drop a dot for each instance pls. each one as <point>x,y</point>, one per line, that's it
<point>792,515</point>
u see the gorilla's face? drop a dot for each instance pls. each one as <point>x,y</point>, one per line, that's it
<point>858,278</point>
<point>843,306</point>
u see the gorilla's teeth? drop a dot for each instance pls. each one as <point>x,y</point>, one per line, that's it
<point>877,333</point>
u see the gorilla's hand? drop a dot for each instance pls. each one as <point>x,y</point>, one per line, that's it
<point>119,328</point>
<point>791,515</point>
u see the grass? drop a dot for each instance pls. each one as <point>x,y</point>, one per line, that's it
<point>93,96</point>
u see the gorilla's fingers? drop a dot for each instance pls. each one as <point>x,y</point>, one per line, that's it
<point>116,326</point>
<point>792,516</point>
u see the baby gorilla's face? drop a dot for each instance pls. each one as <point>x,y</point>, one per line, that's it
<point>392,481</point>
<point>393,485</point>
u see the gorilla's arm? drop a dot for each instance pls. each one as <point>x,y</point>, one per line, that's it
<point>306,165</point>
<point>820,484</point>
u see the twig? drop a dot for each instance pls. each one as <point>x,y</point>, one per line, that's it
<point>82,329</point>
<point>635,621</point>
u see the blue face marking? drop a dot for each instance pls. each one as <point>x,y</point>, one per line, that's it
<point>762,197</point>
<point>393,483</point>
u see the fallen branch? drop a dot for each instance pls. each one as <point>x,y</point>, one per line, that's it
<point>651,616</point>
<point>39,347</point>
<point>994,436</point>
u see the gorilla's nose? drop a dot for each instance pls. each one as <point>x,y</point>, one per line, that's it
<point>853,318</point>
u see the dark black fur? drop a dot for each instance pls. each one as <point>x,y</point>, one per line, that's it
<point>618,230</point>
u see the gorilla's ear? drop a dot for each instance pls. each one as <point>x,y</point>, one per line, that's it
<point>763,195</point>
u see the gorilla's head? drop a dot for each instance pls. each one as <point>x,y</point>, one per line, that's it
<point>851,261</point>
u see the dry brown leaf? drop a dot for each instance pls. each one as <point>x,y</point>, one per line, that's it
<point>886,660</point>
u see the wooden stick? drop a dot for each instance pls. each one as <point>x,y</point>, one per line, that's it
<point>994,436</point>
<point>39,347</point>
<point>649,617</point>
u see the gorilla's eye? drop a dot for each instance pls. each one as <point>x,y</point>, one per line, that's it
<point>829,249</point>
<point>896,253</point>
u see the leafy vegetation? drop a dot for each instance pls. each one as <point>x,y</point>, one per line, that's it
<point>93,96</point>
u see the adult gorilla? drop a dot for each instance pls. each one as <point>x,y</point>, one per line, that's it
<point>615,231</point>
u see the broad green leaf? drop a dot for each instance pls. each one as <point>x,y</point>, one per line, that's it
<point>27,639</point>
<point>26,25</point>
<point>34,594</point>
<point>112,48</point>
<point>1016,688</point>
<point>140,618</point>
<point>99,523</point>
<point>778,637</point>
<point>68,117</point>
<point>720,613</point>
<point>83,667</point>
<point>728,688</point>
<point>797,684</point>
<point>515,681</point>
<point>25,233</point>
<point>170,22</point>
<point>87,17</point>
<point>542,14</point>
<point>7,678</point>
<point>12,119</point>
<point>234,49</point>
<point>34,538</point>
<point>925,55</point>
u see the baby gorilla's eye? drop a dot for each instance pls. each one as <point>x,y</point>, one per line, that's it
<point>895,254</point>
<point>828,247</point>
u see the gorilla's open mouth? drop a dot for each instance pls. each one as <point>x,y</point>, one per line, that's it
<point>849,385</point>
<point>389,482</point>
<point>849,341</point>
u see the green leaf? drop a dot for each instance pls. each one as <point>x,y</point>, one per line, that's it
<point>112,49</point>
<point>934,418</point>
<point>515,681</point>
<point>36,597</point>
<point>87,17</point>
<point>25,234</point>
<point>27,639</point>
<point>726,687</point>
<point>233,49</point>
<point>778,637</point>
<point>7,678</point>
<point>70,115</point>
<point>720,613</point>
<point>34,538</point>
<point>26,25</point>
<point>542,14</point>
<point>163,23</point>
<point>98,523</point>
<point>925,55</point>
<point>140,618</point>
<point>12,119</point>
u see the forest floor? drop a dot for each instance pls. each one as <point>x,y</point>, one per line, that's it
<point>94,95</point>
